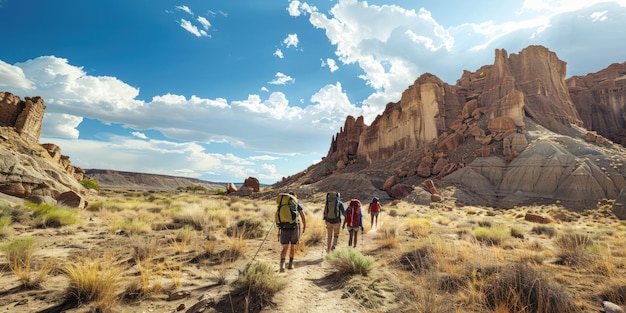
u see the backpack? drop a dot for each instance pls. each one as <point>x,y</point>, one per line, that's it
<point>287,211</point>
<point>332,212</point>
<point>374,207</point>
<point>353,214</point>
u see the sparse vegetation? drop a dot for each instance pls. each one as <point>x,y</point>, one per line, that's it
<point>19,254</point>
<point>52,216</point>
<point>90,183</point>
<point>350,261</point>
<point>425,259</point>
<point>259,283</point>
<point>93,281</point>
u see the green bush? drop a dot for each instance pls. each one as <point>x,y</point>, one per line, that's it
<point>47,215</point>
<point>350,261</point>
<point>90,183</point>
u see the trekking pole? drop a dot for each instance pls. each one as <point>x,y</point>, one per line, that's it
<point>261,245</point>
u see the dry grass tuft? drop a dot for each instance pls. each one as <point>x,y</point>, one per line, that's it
<point>19,253</point>
<point>248,228</point>
<point>418,260</point>
<point>259,283</point>
<point>93,281</point>
<point>350,261</point>
<point>520,288</point>
<point>574,248</point>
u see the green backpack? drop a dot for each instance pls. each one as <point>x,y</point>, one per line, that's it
<point>287,211</point>
<point>332,212</point>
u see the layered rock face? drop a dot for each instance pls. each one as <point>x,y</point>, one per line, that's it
<point>504,132</point>
<point>25,116</point>
<point>39,173</point>
<point>601,99</point>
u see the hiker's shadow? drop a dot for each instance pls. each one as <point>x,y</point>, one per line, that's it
<point>331,281</point>
<point>308,262</point>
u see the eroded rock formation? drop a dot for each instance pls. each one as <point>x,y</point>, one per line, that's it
<point>493,133</point>
<point>30,170</point>
<point>600,98</point>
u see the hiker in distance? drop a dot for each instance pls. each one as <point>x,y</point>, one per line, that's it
<point>354,220</point>
<point>333,211</point>
<point>374,209</point>
<point>288,217</point>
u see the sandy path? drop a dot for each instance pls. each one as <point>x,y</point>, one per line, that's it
<point>310,289</point>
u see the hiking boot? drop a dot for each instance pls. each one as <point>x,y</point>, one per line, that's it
<point>290,266</point>
<point>282,270</point>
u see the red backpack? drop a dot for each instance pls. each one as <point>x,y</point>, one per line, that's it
<point>353,214</point>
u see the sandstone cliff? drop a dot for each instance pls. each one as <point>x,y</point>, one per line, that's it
<point>600,99</point>
<point>28,170</point>
<point>508,133</point>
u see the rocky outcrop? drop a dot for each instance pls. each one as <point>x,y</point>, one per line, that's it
<point>25,116</point>
<point>343,147</point>
<point>27,170</point>
<point>30,170</point>
<point>600,98</point>
<point>252,183</point>
<point>494,134</point>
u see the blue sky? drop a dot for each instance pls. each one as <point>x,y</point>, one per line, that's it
<point>223,90</point>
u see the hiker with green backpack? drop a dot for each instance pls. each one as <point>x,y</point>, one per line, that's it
<point>354,220</point>
<point>333,211</point>
<point>288,216</point>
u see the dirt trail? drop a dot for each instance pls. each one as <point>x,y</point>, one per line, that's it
<point>310,289</point>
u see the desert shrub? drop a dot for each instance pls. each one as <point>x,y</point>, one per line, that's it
<point>544,230</point>
<point>236,247</point>
<point>260,283</point>
<point>519,288</point>
<point>19,253</point>
<point>5,228</point>
<point>17,214</point>
<point>388,234</point>
<point>46,215</point>
<point>193,215</point>
<point>350,261</point>
<point>315,232</point>
<point>131,226</point>
<point>418,226</point>
<point>494,235</point>
<point>185,234</point>
<point>90,184</point>
<point>517,232</point>
<point>418,260</point>
<point>93,281</point>
<point>573,247</point>
<point>248,228</point>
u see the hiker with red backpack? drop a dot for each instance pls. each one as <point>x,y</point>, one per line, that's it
<point>373,209</point>
<point>354,220</point>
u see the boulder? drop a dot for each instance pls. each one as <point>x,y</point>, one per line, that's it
<point>535,218</point>
<point>389,183</point>
<point>230,187</point>
<point>252,183</point>
<point>399,191</point>
<point>72,199</point>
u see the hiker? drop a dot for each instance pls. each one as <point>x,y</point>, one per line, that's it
<point>354,220</point>
<point>288,217</point>
<point>374,209</point>
<point>333,211</point>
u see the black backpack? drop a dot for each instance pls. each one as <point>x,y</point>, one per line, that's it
<point>332,212</point>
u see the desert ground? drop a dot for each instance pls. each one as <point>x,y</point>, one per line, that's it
<point>140,251</point>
